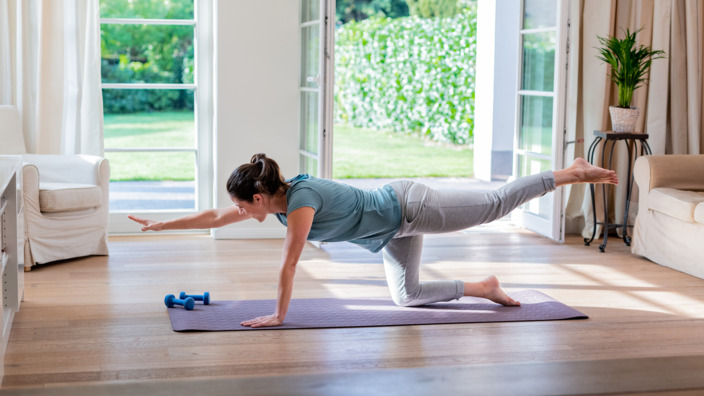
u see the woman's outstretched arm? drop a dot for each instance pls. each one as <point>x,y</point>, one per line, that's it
<point>211,218</point>
<point>299,224</point>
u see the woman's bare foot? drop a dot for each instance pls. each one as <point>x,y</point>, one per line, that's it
<point>582,171</point>
<point>490,289</point>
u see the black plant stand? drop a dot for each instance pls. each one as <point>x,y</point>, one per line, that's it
<point>632,139</point>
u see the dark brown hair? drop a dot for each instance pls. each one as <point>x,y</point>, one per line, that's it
<point>260,176</point>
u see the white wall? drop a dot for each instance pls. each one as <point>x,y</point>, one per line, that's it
<point>256,95</point>
<point>497,72</point>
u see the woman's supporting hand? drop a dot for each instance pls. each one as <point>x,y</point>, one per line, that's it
<point>263,321</point>
<point>147,225</point>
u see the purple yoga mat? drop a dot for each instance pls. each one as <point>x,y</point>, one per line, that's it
<point>332,312</point>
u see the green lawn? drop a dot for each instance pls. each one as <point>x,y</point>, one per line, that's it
<point>148,130</point>
<point>357,153</point>
<point>364,153</point>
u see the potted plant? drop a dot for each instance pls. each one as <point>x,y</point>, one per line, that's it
<point>629,67</point>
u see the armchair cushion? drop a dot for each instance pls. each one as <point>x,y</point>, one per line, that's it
<point>680,204</point>
<point>60,197</point>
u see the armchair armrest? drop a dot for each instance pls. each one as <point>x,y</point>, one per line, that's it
<point>683,172</point>
<point>83,169</point>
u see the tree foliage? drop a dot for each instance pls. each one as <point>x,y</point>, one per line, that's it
<point>433,8</point>
<point>359,10</point>
<point>135,53</point>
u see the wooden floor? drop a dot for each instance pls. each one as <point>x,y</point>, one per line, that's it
<point>100,321</point>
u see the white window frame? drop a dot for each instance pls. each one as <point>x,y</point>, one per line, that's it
<point>325,89</point>
<point>203,113</point>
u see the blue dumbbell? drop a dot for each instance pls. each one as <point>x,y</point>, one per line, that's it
<point>187,303</point>
<point>205,297</point>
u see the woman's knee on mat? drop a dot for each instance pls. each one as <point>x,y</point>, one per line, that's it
<point>406,298</point>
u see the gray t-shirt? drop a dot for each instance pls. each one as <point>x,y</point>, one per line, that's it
<point>368,218</point>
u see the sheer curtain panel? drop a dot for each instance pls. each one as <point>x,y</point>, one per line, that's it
<point>5,55</point>
<point>50,70</point>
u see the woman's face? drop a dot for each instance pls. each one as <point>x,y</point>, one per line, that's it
<point>255,209</point>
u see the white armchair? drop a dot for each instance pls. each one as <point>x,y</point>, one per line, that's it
<point>65,199</point>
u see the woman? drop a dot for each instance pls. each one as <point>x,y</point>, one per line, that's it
<point>392,219</point>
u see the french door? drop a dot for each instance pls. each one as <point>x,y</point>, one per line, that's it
<point>316,87</point>
<point>541,100</point>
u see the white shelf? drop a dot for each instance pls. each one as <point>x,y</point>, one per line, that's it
<point>11,288</point>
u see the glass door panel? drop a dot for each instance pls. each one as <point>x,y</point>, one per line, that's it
<point>310,122</point>
<point>542,206</point>
<point>310,56</point>
<point>315,130</point>
<point>538,62</point>
<point>310,10</point>
<point>539,14</point>
<point>541,101</point>
<point>535,134</point>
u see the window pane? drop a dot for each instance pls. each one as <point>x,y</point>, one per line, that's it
<point>147,9</point>
<point>147,54</point>
<point>152,195</point>
<point>141,118</point>
<point>152,181</point>
<point>309,121</point>
<point>310,10</point>
<point>539,14</point>
<point>309,165</point>
<point>536,124</point>
<point>539,62</point>
<point>310,56</point>
<point>530,166</point>
<point>176,166</point>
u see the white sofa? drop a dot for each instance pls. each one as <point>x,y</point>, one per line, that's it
<point>669,227</point>
<point>65,199</point>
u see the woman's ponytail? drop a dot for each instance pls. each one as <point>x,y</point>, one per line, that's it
<point>260,176</point>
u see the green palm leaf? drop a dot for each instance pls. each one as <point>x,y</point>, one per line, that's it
<point>629,63</point>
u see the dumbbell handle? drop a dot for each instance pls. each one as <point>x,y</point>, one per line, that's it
<point>205,297</point>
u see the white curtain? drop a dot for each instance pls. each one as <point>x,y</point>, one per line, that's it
<point>671,103</point>
<point>5,55</point>
<point>55,78</point>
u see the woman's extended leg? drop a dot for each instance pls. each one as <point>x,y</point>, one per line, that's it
<point>429,211</point>
<point>433,211</point>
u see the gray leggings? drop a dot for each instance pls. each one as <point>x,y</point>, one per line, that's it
<point>428,211</point>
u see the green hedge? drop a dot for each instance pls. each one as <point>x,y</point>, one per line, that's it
<point>116,101</point>
<point>408,74</point>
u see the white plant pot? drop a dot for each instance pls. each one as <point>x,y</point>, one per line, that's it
<point>623,119</point>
